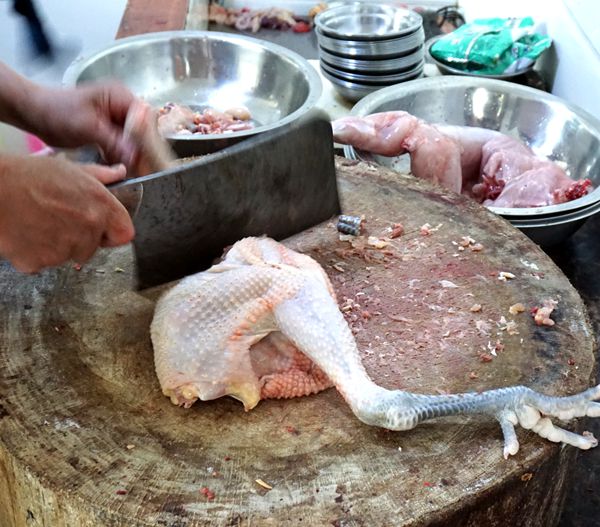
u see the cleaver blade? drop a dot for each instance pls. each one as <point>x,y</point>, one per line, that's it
<point>277,183</point>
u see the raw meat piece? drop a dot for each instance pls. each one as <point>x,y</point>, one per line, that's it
<point>175,119</point>
<point>264,323</point>
<point>153,152</point>
<point>253,20</point>
<point>493,168</point>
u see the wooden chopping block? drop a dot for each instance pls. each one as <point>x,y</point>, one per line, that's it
<point>86,437</point>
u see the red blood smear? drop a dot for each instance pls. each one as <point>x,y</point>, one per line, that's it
<point>205,491</point>
<point>301,27</point>
<point>578,189</point>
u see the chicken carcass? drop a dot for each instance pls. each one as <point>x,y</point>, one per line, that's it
<point>491,167</point>
<point>264,323</point>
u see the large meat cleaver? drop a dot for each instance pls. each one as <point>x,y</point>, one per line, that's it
<point>276,183</point>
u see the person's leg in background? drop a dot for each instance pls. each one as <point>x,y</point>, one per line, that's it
<point>41,45</point>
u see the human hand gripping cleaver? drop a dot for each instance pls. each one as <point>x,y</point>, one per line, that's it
<point>277,183</point>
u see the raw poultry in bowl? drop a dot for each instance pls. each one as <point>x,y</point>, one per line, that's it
<point>486,165</point>
<point>208,70</point>
<point>550,127</point>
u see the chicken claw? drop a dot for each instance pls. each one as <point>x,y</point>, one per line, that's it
<point>516,405</point>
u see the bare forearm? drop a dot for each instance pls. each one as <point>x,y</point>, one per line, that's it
<point>17,99</point>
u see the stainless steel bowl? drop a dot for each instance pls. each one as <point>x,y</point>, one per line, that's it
<point>207,69</point>
<point>375,49</point>
<point>349,90</point>
<point>554,230</point>
<point>361,21</point>
<point>548,124</point>
<point>449,70</point>
<point>382,79</point>
<point>354,91</point>
<point>390,64</point>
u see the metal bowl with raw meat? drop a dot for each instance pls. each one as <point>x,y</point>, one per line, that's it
<point>551,127</point>
<point>207,70</point>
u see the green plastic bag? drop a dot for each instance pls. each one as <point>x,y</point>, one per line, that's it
<point>492,46</point>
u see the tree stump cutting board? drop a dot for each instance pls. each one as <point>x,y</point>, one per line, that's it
<point>87,438</point>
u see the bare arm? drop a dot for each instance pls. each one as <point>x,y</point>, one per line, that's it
<point>72,117</point>
<point>53,210</point>
<point>16,96</point>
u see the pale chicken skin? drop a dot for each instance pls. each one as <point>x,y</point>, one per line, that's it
<point>491,167</point>
<point>264,323</point>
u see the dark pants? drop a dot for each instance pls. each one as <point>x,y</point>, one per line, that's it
<point>39,40</point>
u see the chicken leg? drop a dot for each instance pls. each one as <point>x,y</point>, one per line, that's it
<point>230,329</point>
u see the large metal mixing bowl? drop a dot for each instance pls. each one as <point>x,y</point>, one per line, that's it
<point>548,124</point>
<point>553,230</point>
<point>207,69</point>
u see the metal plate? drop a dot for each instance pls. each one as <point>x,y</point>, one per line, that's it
<point>364,21</point>
<point>373,65</point>
<point>374,78</point>
<point>372,49</point>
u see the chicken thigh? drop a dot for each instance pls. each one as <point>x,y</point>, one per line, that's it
<point>264,323</point>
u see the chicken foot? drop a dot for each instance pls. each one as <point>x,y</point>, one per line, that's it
<point>515,405</point>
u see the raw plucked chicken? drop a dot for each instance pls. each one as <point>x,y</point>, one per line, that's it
<point>491,167</point>
<point>264,323</point>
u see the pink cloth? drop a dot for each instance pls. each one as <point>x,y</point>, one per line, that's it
<point>36,146</point>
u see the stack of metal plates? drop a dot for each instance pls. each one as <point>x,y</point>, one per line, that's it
<point>364,46</point>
